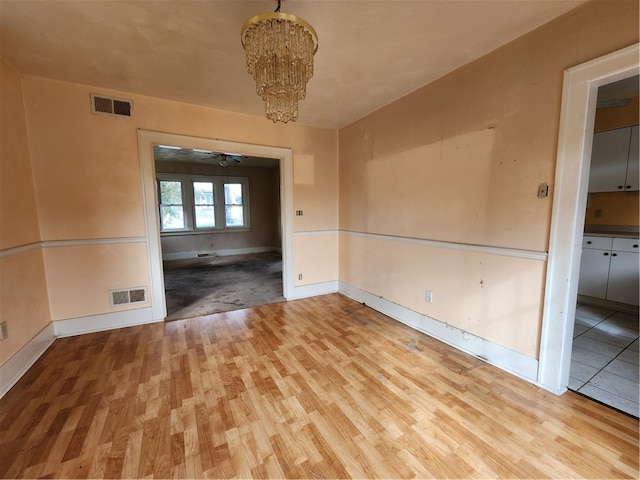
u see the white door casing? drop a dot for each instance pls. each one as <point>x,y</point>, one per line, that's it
<point>146,141</point>
<point>579,95</point>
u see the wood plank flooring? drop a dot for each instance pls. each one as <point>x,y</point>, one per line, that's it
<point>315,388</point>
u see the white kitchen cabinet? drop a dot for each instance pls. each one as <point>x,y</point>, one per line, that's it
<point>624,272</point>
<point>614,161</point>
<point>594,272</point>
<point>594,266</point>
<point>610,269</point>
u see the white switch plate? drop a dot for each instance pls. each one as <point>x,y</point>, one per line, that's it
<point>428,296</point>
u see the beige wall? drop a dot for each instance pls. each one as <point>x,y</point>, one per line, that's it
<point>474,291</point>
<point>23,292</point>
<point>459,161</point>
<point>613,208</point>
<point>18,212</point>
<point>317,258</point>
<point>617,117</point>
<point>90,271</point>
<point>264,211</point>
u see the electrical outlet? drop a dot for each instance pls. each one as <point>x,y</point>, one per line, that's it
<point>428,296</point>
<point>300,277</point>
<point>4,331</point>
<point>211,245</point>
<point>299,213</point>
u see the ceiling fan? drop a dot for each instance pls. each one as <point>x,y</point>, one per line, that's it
<point>224,159</point>
<point>228,158</point>
<point>173,153</point>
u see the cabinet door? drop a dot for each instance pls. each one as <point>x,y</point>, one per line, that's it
<point>594,270</point>
<point>633,166</point>
<point>623,278</point>
<point>600,243</point>
<point>624,244</point>
<point>609,160</point>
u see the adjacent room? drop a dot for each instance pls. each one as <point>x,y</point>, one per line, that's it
<point>262,239</point>
<point>604,357</point>
<point>220,230</point>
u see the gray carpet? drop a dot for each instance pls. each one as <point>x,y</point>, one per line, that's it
<point>202,286</point>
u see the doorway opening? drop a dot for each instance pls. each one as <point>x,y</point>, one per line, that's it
<point>575,138</point>
<point>219,215</point>
<point>210,221</point>
<point>604,357</point>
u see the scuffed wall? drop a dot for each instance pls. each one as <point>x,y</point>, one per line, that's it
<point>439,189</point>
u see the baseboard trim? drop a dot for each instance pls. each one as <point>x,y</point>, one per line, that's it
<point>102,322</point>
<point>13,369</point>
<point>504,358</point>
<point>218,253</point>
<point>314,290</point>
<point>601,302</point>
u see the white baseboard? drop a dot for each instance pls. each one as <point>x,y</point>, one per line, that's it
<point>314,290</point>
<point>218,253</point>
<point>601,302</point>
<point>106,321</point>
<point>493,353</point>
<point>13,369</point>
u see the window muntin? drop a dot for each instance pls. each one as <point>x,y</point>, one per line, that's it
<point>206,203</point>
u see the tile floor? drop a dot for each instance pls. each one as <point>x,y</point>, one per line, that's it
<point>604,360</point>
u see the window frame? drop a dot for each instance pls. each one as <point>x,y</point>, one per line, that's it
<point>196,205</point>
<point>244,196</point>
<point>161,204</point>
<point>189,206</point>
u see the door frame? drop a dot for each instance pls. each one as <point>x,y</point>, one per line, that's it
<point>577,116</point>
<point>146,140</point>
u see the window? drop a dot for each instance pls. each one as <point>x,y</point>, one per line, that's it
<point>233,208</point>
<point>192,203</point>
<point>204,204</point>
<point>171,205</point>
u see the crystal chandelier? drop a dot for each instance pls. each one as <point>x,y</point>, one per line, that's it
<point>280,49</point>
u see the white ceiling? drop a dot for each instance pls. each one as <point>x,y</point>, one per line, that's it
<point>371,52</point>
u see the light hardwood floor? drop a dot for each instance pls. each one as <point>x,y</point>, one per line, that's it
<point>316,388</point>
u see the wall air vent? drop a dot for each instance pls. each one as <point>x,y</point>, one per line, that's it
<point>110,106</point>
<point>127,296</point>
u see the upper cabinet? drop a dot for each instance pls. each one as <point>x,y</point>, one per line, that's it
<point>614,161</point>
